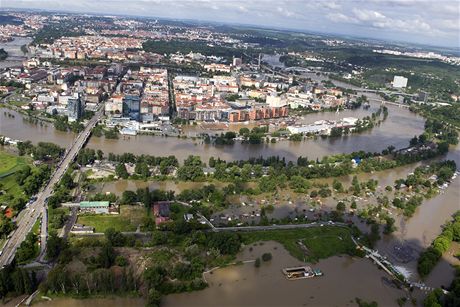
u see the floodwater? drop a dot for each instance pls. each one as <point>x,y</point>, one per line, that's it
<point>344,279</point>
<point>18,127</point>
<point>96,302</point>
<point>15,54</point>
<point>424,226</point>
<point>400,126</point>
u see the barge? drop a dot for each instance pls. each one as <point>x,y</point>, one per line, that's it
<point>301,272</point>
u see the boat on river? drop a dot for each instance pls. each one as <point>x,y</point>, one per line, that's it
<point>301,272</point>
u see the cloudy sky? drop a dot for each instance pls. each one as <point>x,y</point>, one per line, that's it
<point>434,22</point>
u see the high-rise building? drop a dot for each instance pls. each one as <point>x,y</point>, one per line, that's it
<point>75,108</point>
<point>237,62</point>
<point>132,106</point>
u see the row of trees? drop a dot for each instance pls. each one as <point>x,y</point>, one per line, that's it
<point>16,280</point>
<point>62,123</point>
<point>43,151</point>
<point>149,160</point>
<point>364,124</point>
<point>430,257</point>
<point>439,299</point>
<point>101,275</point>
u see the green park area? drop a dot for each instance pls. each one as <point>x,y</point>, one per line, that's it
<point>128,219</point>
<point>309,244</point>
<point>9,165</point>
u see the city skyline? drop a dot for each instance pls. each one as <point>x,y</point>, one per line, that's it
<point>414,21</point>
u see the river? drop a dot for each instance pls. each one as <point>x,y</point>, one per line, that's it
<point>15,54</point>
<point>400,126</point>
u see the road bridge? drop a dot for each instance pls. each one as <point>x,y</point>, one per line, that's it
<point>26,220</point>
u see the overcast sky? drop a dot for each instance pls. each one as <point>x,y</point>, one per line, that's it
<point>434,22</point>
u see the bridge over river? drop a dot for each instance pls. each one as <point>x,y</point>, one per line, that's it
<point>27,218</point>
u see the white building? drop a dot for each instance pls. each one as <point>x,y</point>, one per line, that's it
<point>399,82</point>
<point>276,101</point>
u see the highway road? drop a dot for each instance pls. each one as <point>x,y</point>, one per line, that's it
<point>29,216</point>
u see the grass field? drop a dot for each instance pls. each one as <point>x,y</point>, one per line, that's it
<point>128,219</point>
<point>10,163</point>
<point>321,242</point>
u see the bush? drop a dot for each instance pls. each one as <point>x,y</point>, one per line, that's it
<point>121,261</point>
<point>267,257</point>
<point>226,243</point>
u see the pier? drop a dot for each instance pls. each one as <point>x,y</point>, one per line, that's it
<point>389,268</point>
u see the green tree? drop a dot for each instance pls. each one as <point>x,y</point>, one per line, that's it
<point>106,256</point>
<point>121,171</point>
<point>129,197</point>
<point>266,257</point>
<point>341,206</point>
<point>142,169</point>
<point>154,298</point>
<point>226,243</point>
<point>54,246</point>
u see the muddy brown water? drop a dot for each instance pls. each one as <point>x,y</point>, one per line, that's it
<point>400,126</point>
<point>344,279</point>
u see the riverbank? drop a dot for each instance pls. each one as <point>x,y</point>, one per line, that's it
<point>267,286</point>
